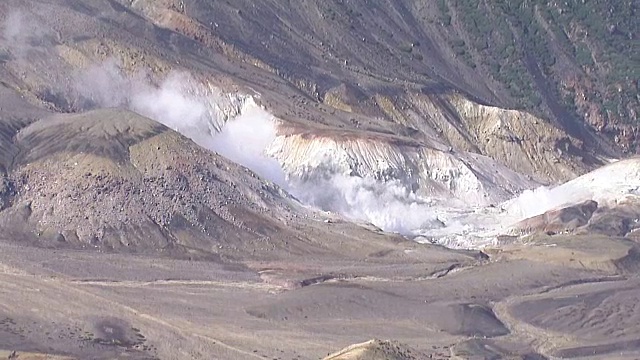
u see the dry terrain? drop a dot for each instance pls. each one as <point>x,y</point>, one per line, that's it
<point>122,238</point>
<point>526,303</point>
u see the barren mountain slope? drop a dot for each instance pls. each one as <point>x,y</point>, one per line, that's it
<point>122,238</point>
<point>307,62</point>
<point>349,54</point>
<point>115,181</point>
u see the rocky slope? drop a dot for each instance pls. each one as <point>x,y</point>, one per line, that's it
<point>157,160</point>
<point>550,59</point>
<point>345,103</point>
<point>431,140</point>
<point>114,180</point>
<point>331,73</point>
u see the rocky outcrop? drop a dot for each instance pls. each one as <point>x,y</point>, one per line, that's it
<point>376,350</point>
<point>428,172</point>
<point>604,201</point>
<point>7,191</point>
<point>516,139</point>
<point>564,220</point>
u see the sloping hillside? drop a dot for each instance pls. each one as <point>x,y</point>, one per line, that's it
<point>200,179</point>
<point>574,64</point>
<point>413,70</point>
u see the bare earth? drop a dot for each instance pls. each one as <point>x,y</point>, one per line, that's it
<point>122,239</point>
<point>106,306</point>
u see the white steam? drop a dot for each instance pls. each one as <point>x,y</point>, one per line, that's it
<point>13,29</point>
<point>244,140</point>
<point>237,128</point>
<point>538,201</point>
<point>172,105</point>
<point>606,185</point>
<point>388,205</point>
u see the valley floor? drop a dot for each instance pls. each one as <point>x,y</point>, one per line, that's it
<point>83,304</point>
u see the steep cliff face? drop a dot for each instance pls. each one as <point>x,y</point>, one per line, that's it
<point>427,172</point>
<point>519,140</point>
